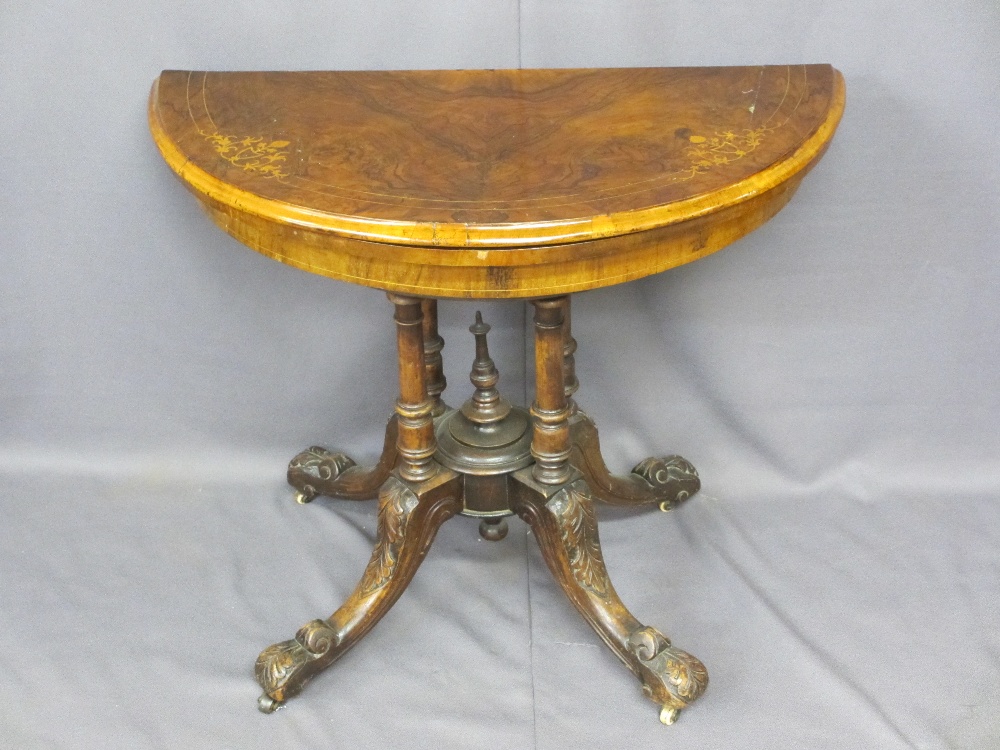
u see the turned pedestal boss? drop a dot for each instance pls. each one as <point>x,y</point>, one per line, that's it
<point>520,184</point>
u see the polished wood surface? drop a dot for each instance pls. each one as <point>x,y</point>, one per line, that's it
<point>508,183</point>
<point>503,183</point>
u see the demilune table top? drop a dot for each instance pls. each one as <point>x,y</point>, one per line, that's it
<point>495,183</point>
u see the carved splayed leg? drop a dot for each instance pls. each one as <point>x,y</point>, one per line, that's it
<point>666,482</point>
<point>565,525</point>
<point>409,516</point>
<point>317,471</point>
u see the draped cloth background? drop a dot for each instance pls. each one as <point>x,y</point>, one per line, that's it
<point>833,376</point>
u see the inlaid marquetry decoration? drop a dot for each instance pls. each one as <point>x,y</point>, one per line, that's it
<point>252,155</point>
<point>722,148</point>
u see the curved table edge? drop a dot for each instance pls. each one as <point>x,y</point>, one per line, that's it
<point>457,237</point>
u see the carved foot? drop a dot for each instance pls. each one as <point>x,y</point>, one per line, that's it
<point>673,479</point>
<point>314,469</point>
<point>667,481</point>
<point>284,668</point>
<point>565,525</point>
<point>317,471</point>
<point>409,516</point>
<point>670,677</point>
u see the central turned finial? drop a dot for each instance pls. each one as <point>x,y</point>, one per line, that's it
<point>485,440</point>
<point>486,406</point>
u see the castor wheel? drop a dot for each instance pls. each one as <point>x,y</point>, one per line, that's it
<point>669,715</point>
<point>305,496</point>
<point>268,705</point>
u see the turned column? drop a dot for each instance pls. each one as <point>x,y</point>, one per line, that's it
<point>414,409</point>
<point>571,384</point>
<point>433,362</point>
<point>550,445</point>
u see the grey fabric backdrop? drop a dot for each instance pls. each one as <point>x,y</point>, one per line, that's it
<point>833,376</point>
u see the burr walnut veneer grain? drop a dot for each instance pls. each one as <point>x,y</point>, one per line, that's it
<point>494,183</point>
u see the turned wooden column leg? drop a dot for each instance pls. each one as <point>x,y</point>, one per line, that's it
<point>433,362</point>
<point>409,516</point>
<point>550,444</point>
<point>571,384</point>
<point>415,439</point>
<point>565,525</point>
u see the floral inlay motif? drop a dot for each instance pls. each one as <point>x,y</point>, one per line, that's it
<point>724,147</point>
<point>252,154</point>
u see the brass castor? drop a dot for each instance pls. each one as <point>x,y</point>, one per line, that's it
<point>268,705</point>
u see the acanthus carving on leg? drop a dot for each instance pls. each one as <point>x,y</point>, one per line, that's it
<point>408,518</point>
<point>565,525</point>
<point>395,507</point>
<point>666,481</point>
<point>317,471</point>
<point>578,529</point>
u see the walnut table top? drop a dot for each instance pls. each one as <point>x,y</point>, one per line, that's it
<point>494,183</point>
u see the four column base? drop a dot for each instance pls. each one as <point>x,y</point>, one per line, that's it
<point>560,513</point>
